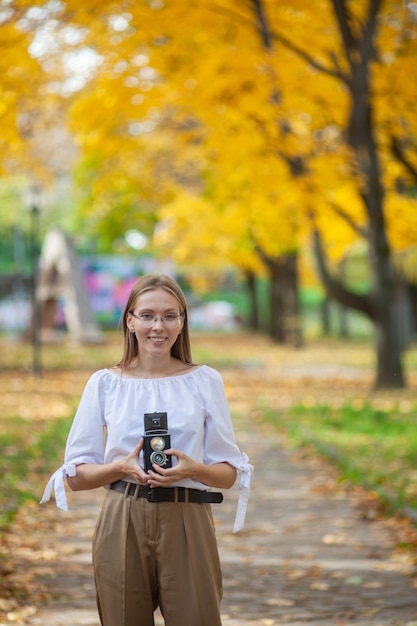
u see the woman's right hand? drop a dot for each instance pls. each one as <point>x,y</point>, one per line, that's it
<point>93,475</point>
<point>130,466</point>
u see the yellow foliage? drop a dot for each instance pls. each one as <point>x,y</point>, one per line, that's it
<point>190,119</point>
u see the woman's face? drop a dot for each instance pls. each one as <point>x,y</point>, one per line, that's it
<point>156,336</point>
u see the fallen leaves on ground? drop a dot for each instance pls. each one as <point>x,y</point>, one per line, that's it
<point>254,371</point>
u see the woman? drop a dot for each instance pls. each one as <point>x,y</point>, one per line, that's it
<point>154,544</point>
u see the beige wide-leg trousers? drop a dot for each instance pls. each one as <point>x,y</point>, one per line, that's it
<point>150,554</point>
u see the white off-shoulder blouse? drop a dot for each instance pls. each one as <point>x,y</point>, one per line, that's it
<point>108,425</point>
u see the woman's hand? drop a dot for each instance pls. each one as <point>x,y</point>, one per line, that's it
<point>92,475</point>
<point>219,475</point>
<point>162,477</point>
<point>129,465</point>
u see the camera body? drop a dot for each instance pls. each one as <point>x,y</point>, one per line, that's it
<point>156,440</point>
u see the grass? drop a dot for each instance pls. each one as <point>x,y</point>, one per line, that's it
<point>29,450</point>
<point>375,447</point>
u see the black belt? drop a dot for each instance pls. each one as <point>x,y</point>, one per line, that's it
<point>166,494</point>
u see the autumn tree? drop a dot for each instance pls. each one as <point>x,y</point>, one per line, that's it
<point>196,111</point>
<point>33,141</point>
<point>259,115</point>
<point>225,136</point>
<point>358,64</point>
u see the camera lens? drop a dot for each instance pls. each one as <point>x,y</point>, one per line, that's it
<point>159,458</point>
<point>157,443</point>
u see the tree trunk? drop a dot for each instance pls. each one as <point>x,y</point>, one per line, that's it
<point>276,326</point>
<point>412,291</point>
<point>390,295</point>
<point>382,304</point>
<point>253,321</point>
<point>360,53</point>
<point>343,321</point>
<point>391,318</point>
<point>325,316</point>
<point>285,319</point>
<point>285,315</point>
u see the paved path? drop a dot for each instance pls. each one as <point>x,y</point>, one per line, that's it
<point>307,555</point>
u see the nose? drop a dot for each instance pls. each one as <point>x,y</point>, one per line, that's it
<point>157,321</point>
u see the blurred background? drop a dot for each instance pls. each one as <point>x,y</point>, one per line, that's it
<point>264,153</point>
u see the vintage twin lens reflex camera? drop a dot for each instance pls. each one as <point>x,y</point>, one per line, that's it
<point>156,440</point>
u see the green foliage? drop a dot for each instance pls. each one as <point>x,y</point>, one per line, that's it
<point>374,446</point>
<point>29,452</point>
<point>16,220</point>
<point>14,227</point>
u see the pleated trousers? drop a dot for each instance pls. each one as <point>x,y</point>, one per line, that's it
<point>150,554</point>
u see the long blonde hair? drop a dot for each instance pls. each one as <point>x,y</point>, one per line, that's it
<point>181,348</point>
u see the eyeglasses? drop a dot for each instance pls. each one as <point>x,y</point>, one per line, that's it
<point>170,320</point>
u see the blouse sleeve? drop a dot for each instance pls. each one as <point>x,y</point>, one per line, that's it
<point>85,443</point>
<point>220,443</point>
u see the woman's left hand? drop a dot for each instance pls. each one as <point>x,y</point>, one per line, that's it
<point>162,477</point>
<point>221,475</point>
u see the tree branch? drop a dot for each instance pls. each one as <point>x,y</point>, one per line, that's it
<point>349,220</point>
<point>367,47</point>
<point>263,256</point>
<point>343,19</point>
<point>335,287</point>
<point>263,25</point>
<point>336,72</point>
<point>399,153</point>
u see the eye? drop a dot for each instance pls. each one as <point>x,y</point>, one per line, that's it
<point>146,317</point>
<point>170,317</point>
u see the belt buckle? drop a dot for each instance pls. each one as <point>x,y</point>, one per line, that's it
<point>151,495</point>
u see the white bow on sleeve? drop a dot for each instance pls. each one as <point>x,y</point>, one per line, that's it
<point>56,483</point>
<point>246,470</point>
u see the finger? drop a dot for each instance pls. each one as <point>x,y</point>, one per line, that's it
<point>138,447</point>
<point>157,479</point>
<point>157,472</point>
<point>166,472</point>
<point>142,475</point>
